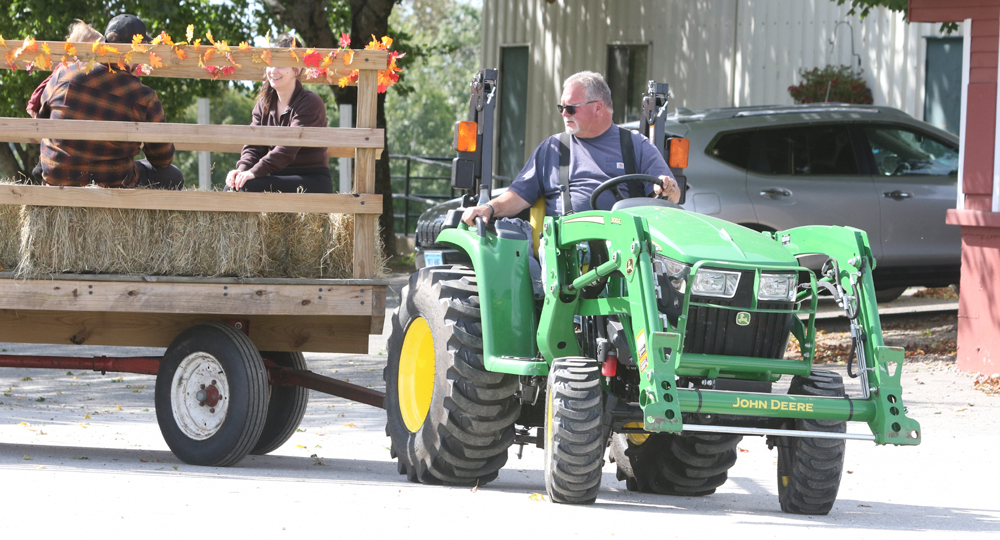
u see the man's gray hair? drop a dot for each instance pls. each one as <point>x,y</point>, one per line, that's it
<point>594,87</point>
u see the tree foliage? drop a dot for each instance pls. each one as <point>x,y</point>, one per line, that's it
<point>863,7</point>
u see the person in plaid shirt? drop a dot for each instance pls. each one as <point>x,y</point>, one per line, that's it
<point>113,95</point>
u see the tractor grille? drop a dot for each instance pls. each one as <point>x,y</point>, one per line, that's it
<point>715,331</point>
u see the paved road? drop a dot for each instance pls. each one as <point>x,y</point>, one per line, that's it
<point>76,464</point>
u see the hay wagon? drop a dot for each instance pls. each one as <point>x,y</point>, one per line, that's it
<point>233,379</point>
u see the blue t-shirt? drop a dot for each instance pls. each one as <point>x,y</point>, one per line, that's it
<point>592,161</point>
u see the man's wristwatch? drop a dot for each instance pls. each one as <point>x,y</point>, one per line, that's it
<point>492,211</point>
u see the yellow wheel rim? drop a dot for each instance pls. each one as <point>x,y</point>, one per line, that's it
<point>416,374</point>
<point>636,438</point>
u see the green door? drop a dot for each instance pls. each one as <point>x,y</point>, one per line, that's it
<point>512,115</point>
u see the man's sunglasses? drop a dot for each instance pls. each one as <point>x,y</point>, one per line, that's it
<point>571,109</point>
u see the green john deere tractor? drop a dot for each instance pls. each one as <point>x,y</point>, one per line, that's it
<point>654,331</point>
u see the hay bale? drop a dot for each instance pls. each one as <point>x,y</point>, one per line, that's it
<point>10,235</point>
<point>51,240</point>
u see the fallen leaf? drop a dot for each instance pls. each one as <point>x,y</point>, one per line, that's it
<point>537,497</point>
<point>864,506</point>
<point>28,458</point>
<point>299,446</point>
<point>744,451</point>
<point>119,407</point>
<point>80,457</point>
<point>175,467</point>
<point>350,424</point>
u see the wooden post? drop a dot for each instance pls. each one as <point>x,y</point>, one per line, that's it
<point>364,177</point>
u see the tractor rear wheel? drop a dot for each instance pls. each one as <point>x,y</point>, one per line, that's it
<point>574,447</point>
<point>809,469</point>
<point>450,421</point>
<point>690,464</point>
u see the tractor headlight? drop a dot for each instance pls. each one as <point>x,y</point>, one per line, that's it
<point>777,287</point>
<point>676,272</point>
<point>715,283</point>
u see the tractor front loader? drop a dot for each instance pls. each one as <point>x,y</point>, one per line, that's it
<point>659,333</point>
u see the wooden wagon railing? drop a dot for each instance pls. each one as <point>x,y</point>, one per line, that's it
<point>283,313</point>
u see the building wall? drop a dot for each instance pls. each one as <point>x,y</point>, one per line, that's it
<point>714,53</point>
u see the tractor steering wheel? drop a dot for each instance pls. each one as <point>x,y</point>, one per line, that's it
<point>612,182</point>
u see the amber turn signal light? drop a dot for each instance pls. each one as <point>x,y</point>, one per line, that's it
<point>465,136</point>
<point>678,147</point>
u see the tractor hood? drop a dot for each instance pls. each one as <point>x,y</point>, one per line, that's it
<point>690,237</point>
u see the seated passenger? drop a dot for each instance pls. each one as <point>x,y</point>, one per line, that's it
<point>112,95</point>
<point>283,101</point>
<point>79,32</point>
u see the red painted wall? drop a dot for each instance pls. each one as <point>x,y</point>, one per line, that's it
<point>979,300</point>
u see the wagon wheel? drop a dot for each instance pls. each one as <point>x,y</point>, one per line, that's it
<point>285,408</point>
<point>211,395</point>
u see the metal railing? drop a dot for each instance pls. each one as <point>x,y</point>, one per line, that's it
<point>431,189</point>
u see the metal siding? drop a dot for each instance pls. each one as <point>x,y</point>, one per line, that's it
<point>714,53</point>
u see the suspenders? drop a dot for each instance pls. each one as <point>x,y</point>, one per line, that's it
<point>635,188</point>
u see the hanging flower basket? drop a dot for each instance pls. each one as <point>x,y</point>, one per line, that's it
<point>835,84</point>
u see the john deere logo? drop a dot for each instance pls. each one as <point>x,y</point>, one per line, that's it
<point>743,318</point>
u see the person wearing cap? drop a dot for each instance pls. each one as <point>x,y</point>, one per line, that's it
<point>110,95</point>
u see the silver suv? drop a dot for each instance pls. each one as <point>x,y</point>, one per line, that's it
<point>774,168</point>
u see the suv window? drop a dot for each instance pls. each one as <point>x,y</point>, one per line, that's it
<point>813,150</point>
<point>733,148</point>
<point>903,152</point>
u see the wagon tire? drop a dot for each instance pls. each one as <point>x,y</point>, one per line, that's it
<point>574,435</point>
<point>286,406</point>
<point>211,395</point>
<point>450,420</point>
<point>810,469</point>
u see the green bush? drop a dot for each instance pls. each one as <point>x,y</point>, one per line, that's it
<point>835,84</point>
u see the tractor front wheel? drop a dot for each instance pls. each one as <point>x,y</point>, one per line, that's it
<point>809,469</point>
<point>450,420</point>
<point>574,447</point>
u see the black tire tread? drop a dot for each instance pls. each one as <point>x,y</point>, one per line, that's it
<point>470,426</point>
<point>813,466</point>
<point>574,454</point>
<point>286,407</point>
<point>688,464</point>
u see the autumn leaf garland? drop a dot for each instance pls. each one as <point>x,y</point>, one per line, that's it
<point>316,64</point>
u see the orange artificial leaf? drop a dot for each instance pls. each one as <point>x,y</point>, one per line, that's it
<point>244,46</point>
<point>29,45</point>
<point>155,61</point>
<point>312,58</point>
<point>179,51</point>
<point>45,49</point>
<point>128,58</point>
<point>43,62</point>
<point>165,38</point>
<point>89,66</point>
<point>196,44</point>
<point>190,33</point>
<point>229,56</point>
<point>3,43</point>
<point>344,81</point>
<point>208,55</point>
<point>64,60</point>
<point>386,42</point>
<point>295,56</point>
<point>137,40</point>
<point>328,60</point>
<point>348,57</point>
<point>70,50</point>
<point>266,57</point>
<point>208,36</point>
<point>222,47</point>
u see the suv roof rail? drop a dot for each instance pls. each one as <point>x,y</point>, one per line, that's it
<point>763,112</point>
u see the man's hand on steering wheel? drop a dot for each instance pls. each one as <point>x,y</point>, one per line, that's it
<point>664,187</point>
<point>667,189</point>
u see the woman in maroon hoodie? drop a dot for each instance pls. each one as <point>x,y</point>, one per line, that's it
<point>283,101</point>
